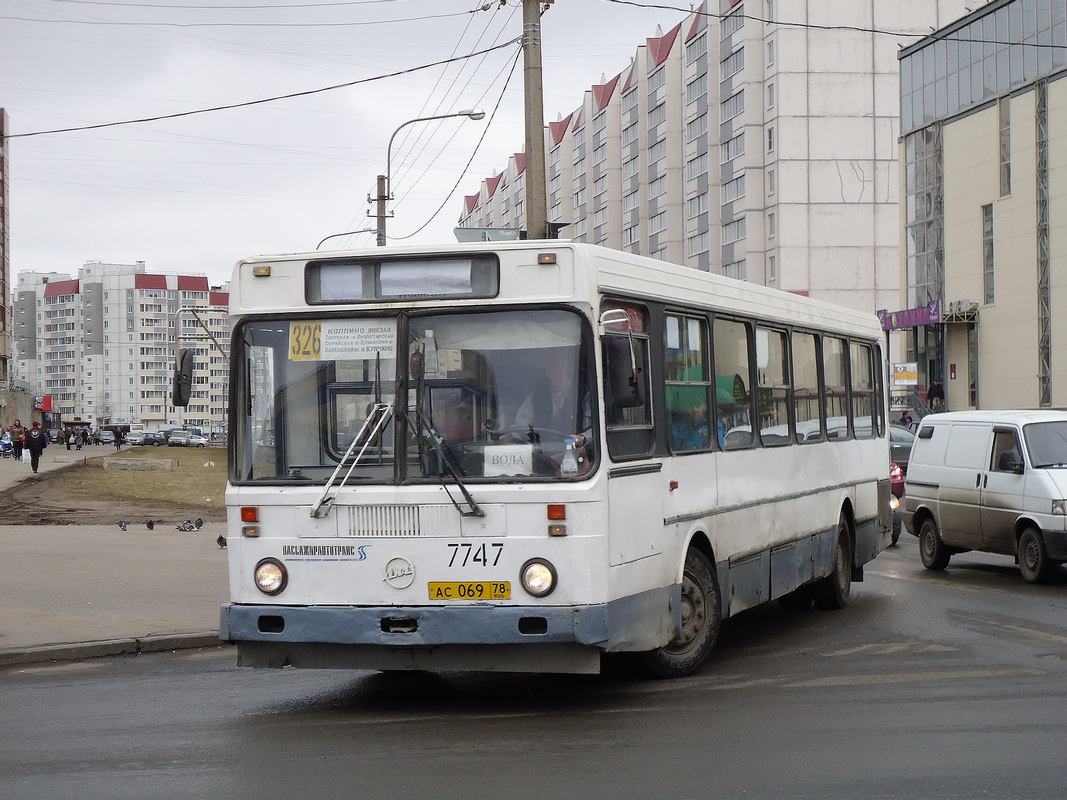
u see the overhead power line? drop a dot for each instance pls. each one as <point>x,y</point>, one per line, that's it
<point>264,100</point>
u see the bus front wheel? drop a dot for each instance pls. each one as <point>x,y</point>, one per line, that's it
<point>701,620</point>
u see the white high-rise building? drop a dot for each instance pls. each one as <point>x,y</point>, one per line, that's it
<point>755,139</point>
<point>102,344</point>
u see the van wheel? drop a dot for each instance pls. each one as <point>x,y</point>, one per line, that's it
<point>701,620</point>
<point>835,589</point>
<point>932,550</point>
<point>1034,562</point>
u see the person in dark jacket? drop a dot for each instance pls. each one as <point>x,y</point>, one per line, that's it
<point>36,442</point>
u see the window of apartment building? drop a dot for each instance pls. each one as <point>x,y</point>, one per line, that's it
<point>580,228</point>
<point>629,101</point>
<point>630,235</point>
<point>579,168</point>
<point>696,167</point>
<point>772,225</point>
<point>772,182</point>
<point>736,270</point>
<point>732,148</point>
<point>629,134</point>
<point>732,106</point>
<point>770,10</point>
<point>629,167</point>
<point>554,183</point>
<point>657,187</point>
<point>770,52</point>
<point>987,253</point>
<point>772,268</point>
<point>600,123</point>
<point>600,217</point>
<point>695,206</point>
<point>733,231</point>
<point>1004,108</point>
<point>696,244</point>
<point>770,139</point>
<point>657,223</point>
<point>599,154</point>
<point>733,190</point>
<point>696,88</point>
<point>579,138</point>
<point>553,158</point>
<point>733,23</point>
<point>657,152</point>
<point>657,115</point>
<point>732,64</point>
<point>696,48</point>
<point>600,185</point>
<point>657,80</point>
<point>630,201</point>
<point>770,95</point>
<point>696,128</point>
<point>579,198</point>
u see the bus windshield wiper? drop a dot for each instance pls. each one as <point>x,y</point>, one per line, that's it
<point>425,430</point>
<point>375,423</point>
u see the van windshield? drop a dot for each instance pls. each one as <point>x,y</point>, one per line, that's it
<point>1047,443</point>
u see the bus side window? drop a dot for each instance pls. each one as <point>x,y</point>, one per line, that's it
<point>687,384</point>
<point>733,398</point>
<point>627,407</point>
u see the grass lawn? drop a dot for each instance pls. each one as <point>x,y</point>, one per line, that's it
<point>197,478</point>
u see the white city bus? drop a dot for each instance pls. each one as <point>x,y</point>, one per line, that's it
<point>521,456</point>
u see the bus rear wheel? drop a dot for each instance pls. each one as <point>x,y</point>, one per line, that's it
<point>835,589</point>
<point>701,621</point>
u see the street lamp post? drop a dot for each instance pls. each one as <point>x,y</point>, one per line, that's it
<point>384,185</point>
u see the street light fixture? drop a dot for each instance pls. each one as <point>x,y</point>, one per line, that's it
<point>385,191</point>
<point>346,233</point>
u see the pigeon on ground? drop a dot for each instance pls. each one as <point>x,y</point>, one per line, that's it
<point>149,524</point>
<point>199,523</point>
<point>122,524</point>
<point>185,526</point>
<point>221,541</point>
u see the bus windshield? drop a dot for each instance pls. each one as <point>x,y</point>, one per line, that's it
<point>498,396</point>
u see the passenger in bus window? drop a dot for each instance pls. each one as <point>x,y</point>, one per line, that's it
<point>691,430</point>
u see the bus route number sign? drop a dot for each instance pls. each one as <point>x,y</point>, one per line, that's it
<point>305,341</point>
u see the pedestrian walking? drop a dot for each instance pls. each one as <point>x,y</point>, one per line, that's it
<point>18,439</point>
<point>36,442</point>
<point>67,435</point>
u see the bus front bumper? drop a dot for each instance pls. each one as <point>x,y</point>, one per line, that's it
<point>270,635</point>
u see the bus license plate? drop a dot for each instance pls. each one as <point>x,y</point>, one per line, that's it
<point>470,590</point>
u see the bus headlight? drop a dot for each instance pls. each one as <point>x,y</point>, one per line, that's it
<point>270,576</point>
<point>1059,507</point>
<point>538,577</point>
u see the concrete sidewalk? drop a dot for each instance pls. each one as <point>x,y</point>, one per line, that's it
<point>76,591</point>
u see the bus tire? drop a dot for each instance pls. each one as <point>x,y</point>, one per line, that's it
<point>701,621</point>
<point>835,590</point>
<point>933,552</point>
<point>1034,563</point>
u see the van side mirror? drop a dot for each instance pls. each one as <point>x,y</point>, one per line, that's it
<point>1010,462</point>
<point>623,372</point>
<point>183,377</point>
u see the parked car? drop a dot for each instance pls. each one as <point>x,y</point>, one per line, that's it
<point>154,439</point>
<point>195,440</point>
<point>107,437</point>
<point>136,437</point>
<point>900,442</point>
<point>994,481</point>
<point>177,439</point>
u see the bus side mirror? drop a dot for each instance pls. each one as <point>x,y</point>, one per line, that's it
<point>1010,462</point>
<point>183,377</point>
<point>623,372</point>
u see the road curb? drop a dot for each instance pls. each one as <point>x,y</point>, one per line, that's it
<point>109,647</point>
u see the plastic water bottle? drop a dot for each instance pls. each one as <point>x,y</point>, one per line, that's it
<point>429,354</point>
<point>569,465</point>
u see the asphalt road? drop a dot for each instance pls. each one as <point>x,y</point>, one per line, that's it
<point>930,685</point>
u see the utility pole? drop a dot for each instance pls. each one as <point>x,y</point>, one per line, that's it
<point>536,187</point>
<point>381,198</point>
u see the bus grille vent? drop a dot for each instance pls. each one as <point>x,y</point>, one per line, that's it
<point>402,521</point>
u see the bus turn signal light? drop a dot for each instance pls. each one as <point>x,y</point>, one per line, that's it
<point>557,511</point>
<point>249,514</point>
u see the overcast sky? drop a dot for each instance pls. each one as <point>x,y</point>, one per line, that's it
<point>196,193</point>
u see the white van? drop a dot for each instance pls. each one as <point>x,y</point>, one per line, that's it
<point>990,480</point>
